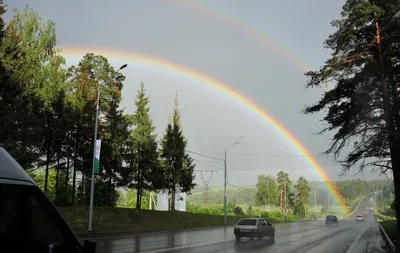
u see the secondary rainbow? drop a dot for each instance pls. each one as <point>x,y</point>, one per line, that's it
<point>221,87</point>
<point>272,44</point>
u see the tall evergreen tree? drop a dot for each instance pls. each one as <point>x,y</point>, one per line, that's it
<point>302,196</point>
<point>364,103</point>
<point>178,165</point>
<point>143,166</point>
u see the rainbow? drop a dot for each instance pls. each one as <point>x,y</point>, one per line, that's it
<point>70,52</point>
<point>272,44</point>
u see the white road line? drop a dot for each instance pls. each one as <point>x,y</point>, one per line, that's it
<point>355,242</point>
<point>185,246</point>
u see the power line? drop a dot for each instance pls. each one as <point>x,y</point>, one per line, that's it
<point>277,155</point>
<point>206,185</point>
<point>244,189</point>
<point>214,162</point>
<point>205,155</point>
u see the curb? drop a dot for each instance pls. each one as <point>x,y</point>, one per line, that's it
<point>106,234</point>
<point>391,244</point>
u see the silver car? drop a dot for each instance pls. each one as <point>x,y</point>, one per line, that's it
<point>253,227</point>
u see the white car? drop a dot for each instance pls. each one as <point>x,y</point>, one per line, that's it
<point>359,218</point>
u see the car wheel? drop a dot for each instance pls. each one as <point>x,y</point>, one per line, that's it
<point>259,237</point>
<point>273,236</point>
<point>238,238</point>
<point>251,238</point>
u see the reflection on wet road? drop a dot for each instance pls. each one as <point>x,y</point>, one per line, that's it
<point>310,236</point>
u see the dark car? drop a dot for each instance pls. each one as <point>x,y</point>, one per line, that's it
<point>331,219</point>
<point>29,222</point>
<point>253,227</point>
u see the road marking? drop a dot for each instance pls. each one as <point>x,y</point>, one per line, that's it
<point>355,242</point>
<point>185,246</point>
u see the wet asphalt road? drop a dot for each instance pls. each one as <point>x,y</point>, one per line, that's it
<point>300,237</point>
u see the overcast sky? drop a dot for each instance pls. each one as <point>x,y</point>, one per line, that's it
<point>191,35</point>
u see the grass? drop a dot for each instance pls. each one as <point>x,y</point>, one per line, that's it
<point>391,230</point>
<point>109,219</point>
<point>121,220</point>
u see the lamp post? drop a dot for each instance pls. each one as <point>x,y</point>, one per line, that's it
<point>225,175</point>
<point>94,151</point>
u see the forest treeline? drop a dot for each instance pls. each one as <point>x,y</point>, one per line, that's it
<point>47,119</point>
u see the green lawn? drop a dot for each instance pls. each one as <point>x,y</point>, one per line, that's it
<point>391,231</point>
<point>120,220</point>
<point>109,219</point>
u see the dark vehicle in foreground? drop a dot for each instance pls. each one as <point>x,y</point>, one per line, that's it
<point>331,219</point>
<point>253,228</point>
<point>29,222</point>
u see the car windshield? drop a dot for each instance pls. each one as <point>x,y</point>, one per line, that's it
<point>248,222</point>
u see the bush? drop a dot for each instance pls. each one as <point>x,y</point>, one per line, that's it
<point>238,211</point>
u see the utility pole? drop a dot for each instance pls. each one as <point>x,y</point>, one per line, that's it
<point>226,174</point>
<point>328,206</point>
<point>206,184</point>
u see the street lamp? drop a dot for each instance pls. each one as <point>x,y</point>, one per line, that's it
<point>94,150</point>
<point>225,177</point>
<point>284,188</point>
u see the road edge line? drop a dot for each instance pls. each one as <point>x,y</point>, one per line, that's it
<point>185,246</point>
<point>356,240</point>
<point>386,237</point>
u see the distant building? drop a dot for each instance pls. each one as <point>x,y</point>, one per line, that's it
<point>180,201</point>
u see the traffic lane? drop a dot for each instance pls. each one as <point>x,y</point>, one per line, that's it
<point>326,238</point>
<point>371,240</point>
<point>161,240</point>
<point>360,208</point>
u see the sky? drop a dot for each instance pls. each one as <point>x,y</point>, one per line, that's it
<point>231,50</point>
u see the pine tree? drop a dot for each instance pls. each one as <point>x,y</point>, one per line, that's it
<point>303,194</point>
<point>143,165</point>
<point>362,108</point>
<point>178,165</point>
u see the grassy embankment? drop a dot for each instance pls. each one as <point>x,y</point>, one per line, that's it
<point>109,220</point>
<point>390,228</point>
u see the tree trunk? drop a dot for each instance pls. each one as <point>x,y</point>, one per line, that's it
<point>281,197</point>
<point>57,178</point>
<point>390,127</point>
<point>67,178</point>
<point>46,177</point>
<point>139,189</point>
<point>173,200</point>
<point>110,192</point>
<point>74,178</point>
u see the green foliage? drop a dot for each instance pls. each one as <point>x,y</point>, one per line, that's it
<point>143,171</point>
<point>238,211</point>
<point>362,107</point>
<point>47,120</point>
<point>302,196</point>
<point>266,190</point>
<point>177,165</point>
